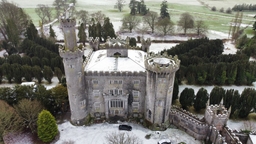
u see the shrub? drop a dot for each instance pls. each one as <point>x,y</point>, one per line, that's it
<point>222,10</point>
<point>213,8</point>
<point>148,136</point>
<point>46,126</point>
<point>229,11</point>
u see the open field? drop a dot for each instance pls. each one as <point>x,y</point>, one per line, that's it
<point>215,20</point>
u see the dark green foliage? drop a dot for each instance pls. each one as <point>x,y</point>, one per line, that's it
<point>247,102</point>
<point>12,33</point>
<point>228,97</point>
<point>17,72</point>
<point>37,73</point>
<point>138,7</point>
<point>46,126</point>
<point>216,95</point>
<point>31,32</point>
<point>26,60</point>
<point>6,94</point>
<point>164,10</point>
<point>51,32</point>
<point>58,73</point>
<point>132,42</point>
<point>203,63</point>
<point>28,72</point>
<point>235,102</point>
<point>108,29</point>
<point>47,73</point>
<point>244,7</point>
<point>201,99</point>
<point>81,34</point>
<point>60,95</point>
<point>187,97</point>
<point>175,90</point>
<point>7,71</point>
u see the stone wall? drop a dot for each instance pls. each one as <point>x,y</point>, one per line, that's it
<point>189,123</point>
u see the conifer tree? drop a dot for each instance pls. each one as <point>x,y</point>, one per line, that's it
<point>187,97</point>
<point>108,29</point>
<point>201,99</point>
<point>52,33</point>
<point>46,126</point>
<point>164,10</point>
<point>81,33</point>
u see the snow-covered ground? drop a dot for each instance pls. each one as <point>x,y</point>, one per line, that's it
<point>96,134</point>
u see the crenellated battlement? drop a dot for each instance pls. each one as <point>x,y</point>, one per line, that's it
<point>68,23</point>
<point>145,44</point>
<point>114,73</point>
<point>67,54</point>
<point>217,111</point>
<point>94,43</point>
<point>162,63</point>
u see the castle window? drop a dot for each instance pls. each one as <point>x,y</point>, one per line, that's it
<point>149,114</point>
<point>116,91</point>
<point>97,106</point>
<point>115,82</point>
<point>120,81</point>
<point>136,96</point>
<point>136,82</point>
<point>71,66</point>
<point>111,92</point>
<point>96,93</point>
<point>120,92</point>
<point>116,103</point>
<point>135,105</point>
<point>83,103</point>
<point>95,82</point>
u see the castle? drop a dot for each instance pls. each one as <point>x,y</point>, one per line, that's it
<point>115,79</point>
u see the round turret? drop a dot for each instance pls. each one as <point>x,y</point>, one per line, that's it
<point>161,64</point>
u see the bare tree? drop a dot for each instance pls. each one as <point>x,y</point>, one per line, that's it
<point>130,22</point>
<point>98,17</point>
<point>28,110</point>
<point>122,138</point>
<point>150,19</point>
<point>120,4</point>
<point>9,119</point>
<point>60,6</point>
<point>83,17</point>
<point>200,27</point>
<point>165,25</point>
<point>186,22</point>
<point>12,13</point>
<point>44,12</point>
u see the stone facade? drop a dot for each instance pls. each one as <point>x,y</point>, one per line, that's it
<point>116,79</point>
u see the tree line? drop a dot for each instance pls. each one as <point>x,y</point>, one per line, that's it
<point>244,7</point>
<point>241,105</point>
<point>202,63</point>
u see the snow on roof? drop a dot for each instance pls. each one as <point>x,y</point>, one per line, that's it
<point>253,138</point>
<point>100,62</point>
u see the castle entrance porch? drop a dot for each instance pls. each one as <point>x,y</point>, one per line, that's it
<point>116,106</point>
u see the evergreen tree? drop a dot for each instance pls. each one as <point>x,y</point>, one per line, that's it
<point>52,33</point>
<point>17,72</point>
<point>201,99</point>
<point>28,72</point>
<point>187,97</point>
<point>216,95</point>
<point>48,74</point>
<point>46,126</point>
<point>58,73</point>
<point>164,10</point>
<point>81,33</point>
<point>235,103</point>
<point>99,31</point>
<point>132,42</point>
<point>31,32</point>
<point>37,73</point>
<point>228,97</point>
<point>132,6</point>
<point>108,29</point>
<point>247,102</point>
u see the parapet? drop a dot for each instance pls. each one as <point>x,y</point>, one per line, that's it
<point>162,63</point>
<point>218,111</point>
<point>114,73</point>
<point>68,54</point>
<point>68,23</point>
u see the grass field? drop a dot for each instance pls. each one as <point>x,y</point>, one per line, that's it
<point>198,8</point>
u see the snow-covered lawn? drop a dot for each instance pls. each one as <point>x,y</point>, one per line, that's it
<point>96,134</point>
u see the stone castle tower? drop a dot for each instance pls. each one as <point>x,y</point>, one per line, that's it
<point>160,82</point>
<point>216,115</point>
<point>73,64</point>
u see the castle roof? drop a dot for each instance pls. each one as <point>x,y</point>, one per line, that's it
<point>100,62</point>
